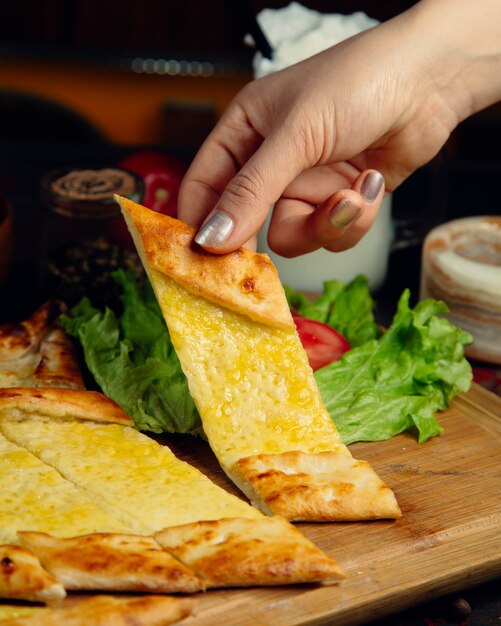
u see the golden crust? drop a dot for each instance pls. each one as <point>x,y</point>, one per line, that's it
<point>243,281</point>
<point>326,486</point>
<point>65,404</point>
<point>58,366</point>
<point>38,353</point>
<point>112,611</point>
<point>22,577</point>
<point>111,562</point>
<point>238,552</point>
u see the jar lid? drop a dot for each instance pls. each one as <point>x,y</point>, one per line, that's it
<point>461,265</point>
<point>84,193</point>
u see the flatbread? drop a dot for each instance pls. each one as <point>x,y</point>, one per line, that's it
<point>22,577</point>
<point>241,281</point>
<point>38,353</point>
<point>111,562</point>
<point>315,487</point>
<point>253,386</point>
<point>112,611</point>
<point>240,552</point>
<point>62,404</point>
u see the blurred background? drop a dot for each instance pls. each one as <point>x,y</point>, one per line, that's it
<point>149,72</point>
<point>88,80</point>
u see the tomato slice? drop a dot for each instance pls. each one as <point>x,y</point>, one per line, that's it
<point>322,343</point>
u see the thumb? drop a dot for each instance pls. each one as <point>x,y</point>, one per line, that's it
<point>249,195</point>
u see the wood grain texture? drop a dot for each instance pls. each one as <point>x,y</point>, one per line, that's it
<point>449,537</point>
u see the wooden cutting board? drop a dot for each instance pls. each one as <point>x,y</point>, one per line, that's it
<point>449,537</point>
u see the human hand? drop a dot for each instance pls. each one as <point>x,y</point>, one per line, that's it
<point>313,140</point>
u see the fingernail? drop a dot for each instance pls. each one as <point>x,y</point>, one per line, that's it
<point>216,230</point>
<point>343,213</point>
<point>371,186</point>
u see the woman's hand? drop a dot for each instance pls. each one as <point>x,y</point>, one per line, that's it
<point>318,140</point>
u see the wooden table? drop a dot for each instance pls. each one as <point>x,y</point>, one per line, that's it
<point>448,539</point>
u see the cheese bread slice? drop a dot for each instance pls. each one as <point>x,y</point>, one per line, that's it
<point>250,377</point>
<point>141,483</point>
<point>112,611</point>
<point>65,404</point>
<point>338,486</point>
<point>22,577</point>
<point>128,475</point>
<point>241,553</point>
<point>38,353</point>
<point>111,562</point>
<point>35,496</point>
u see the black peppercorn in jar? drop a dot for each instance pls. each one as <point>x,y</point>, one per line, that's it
<point>80,253</point>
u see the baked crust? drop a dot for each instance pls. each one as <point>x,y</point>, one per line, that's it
<point>242,281</point>
<point>239,552</point>
<point>325,486</point>
<point>65,404</point>
<point>38,353</point>
<point>112,611</point>
<point>111,562</point>
<point>22,577</point>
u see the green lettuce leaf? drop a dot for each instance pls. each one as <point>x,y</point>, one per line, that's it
<point>133,361</point>
<point>387,385</point>
<point>347,308</point>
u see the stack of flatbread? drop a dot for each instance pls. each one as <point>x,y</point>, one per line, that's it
<point>90,504</point>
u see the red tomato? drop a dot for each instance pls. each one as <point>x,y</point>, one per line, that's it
<point>322,343</point>
<point>162,175</point>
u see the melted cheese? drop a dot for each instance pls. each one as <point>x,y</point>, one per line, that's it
<point>10,611</point>
<point>129,475</point>
<point>34,496</point>
<point>252,383</point>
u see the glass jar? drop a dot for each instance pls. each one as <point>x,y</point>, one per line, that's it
<point>80,250</point>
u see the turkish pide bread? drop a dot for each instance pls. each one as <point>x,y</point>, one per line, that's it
<point>111,611</point>
<point>240,553</point>
<point>337,486</point>
<point>111,562</point>
<point>242,281</point>
<point>22,577</point>
<point>250,378</point>
<point>64,404</point>
<point>107,481</point>
<point>38,353</point>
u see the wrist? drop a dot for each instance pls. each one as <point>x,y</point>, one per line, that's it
<point>465,44</point>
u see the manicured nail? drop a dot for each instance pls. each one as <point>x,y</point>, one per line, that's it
<point>343,213</point>
<point>371,186</point>
<point>216,230</point>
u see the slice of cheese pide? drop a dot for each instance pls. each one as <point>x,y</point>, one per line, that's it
<point>111,562</point>
<point>34,496</point>
<point>250,378</point>
<point>22,577</point>
<point>141,485</point>
<point>240,552</point>
<point>111,611</point>
<point>60,404</point>
<point>38,353</point>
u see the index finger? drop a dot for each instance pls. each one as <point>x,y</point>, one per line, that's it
<point>220,157</point>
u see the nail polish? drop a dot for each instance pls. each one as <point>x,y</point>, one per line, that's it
<point>216,230</point>
<point>343,213</point>
<point>371,186</point>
